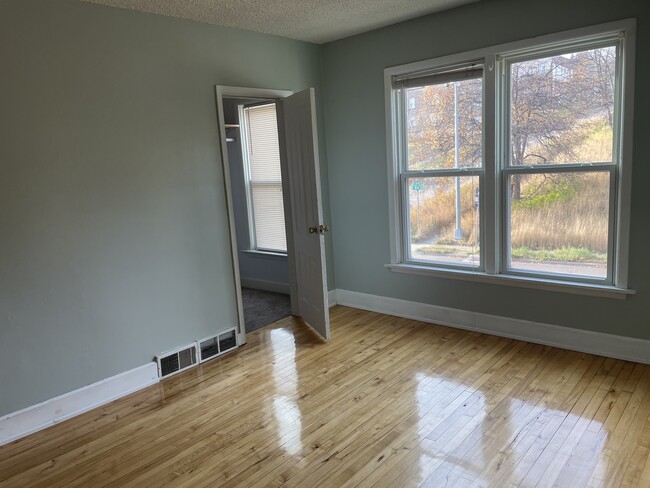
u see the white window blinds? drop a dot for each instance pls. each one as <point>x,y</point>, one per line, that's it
<point>465,71</point>
<point>264,178</point>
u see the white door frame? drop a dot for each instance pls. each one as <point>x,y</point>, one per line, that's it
<point>222,92</point>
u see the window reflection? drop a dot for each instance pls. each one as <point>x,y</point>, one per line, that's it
<point>285,408</point>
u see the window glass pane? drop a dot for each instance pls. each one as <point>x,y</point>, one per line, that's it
<point>445,125</point>
<point>559,223</point>
<point>269,216</point>
<point>263,145</point>
<point>562,108</point>
<point>444,220</point>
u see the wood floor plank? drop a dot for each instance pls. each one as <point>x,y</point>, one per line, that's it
<point>387,402</point>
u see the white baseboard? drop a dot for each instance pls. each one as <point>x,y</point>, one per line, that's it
<point>331,298</point>
<point>610,345</point>
<point>37,417</point>
<point>265,285</point>
<point>50,412</point>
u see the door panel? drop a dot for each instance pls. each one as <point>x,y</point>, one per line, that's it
<point>301,152</point>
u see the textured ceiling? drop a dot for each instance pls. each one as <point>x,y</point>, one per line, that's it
<point>316,21</point>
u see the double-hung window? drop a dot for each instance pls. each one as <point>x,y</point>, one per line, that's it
<point>261,151</point>
<point>441,151</point>
<point>512,163</point>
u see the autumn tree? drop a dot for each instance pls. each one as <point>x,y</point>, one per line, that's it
<point>551,98</point>
<point>431,125</point>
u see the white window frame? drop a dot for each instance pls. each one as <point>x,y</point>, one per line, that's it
<point>496,149</point>
<point>250,211</point>
<point>405,175</point>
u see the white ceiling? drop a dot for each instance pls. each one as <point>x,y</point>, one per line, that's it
<point>316,21</point>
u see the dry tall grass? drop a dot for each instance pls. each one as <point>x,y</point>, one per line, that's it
<point>436,215</point>
<point>564,211</point>
<point>579,221</point>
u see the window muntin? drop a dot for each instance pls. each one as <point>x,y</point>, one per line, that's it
<point>610,155</point>
<point>263,177</point>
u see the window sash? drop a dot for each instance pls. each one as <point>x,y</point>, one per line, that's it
<point>268,216</point>
<point>506,246</point>
<point>406,222</point>
<point>504,79</point>
<point>401,101</point>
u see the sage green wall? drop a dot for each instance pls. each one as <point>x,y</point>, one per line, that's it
<point>355,126</point>
<point>114,236</point>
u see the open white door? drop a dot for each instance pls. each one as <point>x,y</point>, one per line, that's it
<point>298,122</point>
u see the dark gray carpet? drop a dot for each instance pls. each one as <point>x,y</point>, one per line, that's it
<point>264,307</point>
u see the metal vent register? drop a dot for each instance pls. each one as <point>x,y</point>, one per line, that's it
<point>211,347</point>
<point>176,361</point>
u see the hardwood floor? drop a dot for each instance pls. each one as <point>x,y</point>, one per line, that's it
<point>388,402</point>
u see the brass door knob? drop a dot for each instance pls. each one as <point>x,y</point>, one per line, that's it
<point>320,229</point>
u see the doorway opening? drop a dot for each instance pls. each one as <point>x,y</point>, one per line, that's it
<point>269,149</point>
<point>253,146</point>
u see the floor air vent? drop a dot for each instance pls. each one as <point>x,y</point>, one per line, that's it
<point>214,346</point>
<point>176,361</point>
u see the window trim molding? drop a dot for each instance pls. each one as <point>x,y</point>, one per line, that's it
<point>244,144</point>
<point>282,256</point>
<point>575,287</point>
<point>491,203</point>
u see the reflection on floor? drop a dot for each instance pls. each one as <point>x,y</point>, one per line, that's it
<point>264,307</point>
<point>387,402</point>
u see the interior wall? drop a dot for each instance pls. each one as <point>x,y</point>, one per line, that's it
<point>356,136</point>
<point>115,242</point>
<point>253,268</point>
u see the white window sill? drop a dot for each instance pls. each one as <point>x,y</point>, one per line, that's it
<point>520,281</point>
<point>282,256</point>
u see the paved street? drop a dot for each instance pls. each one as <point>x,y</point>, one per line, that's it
<point>469,256</point>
